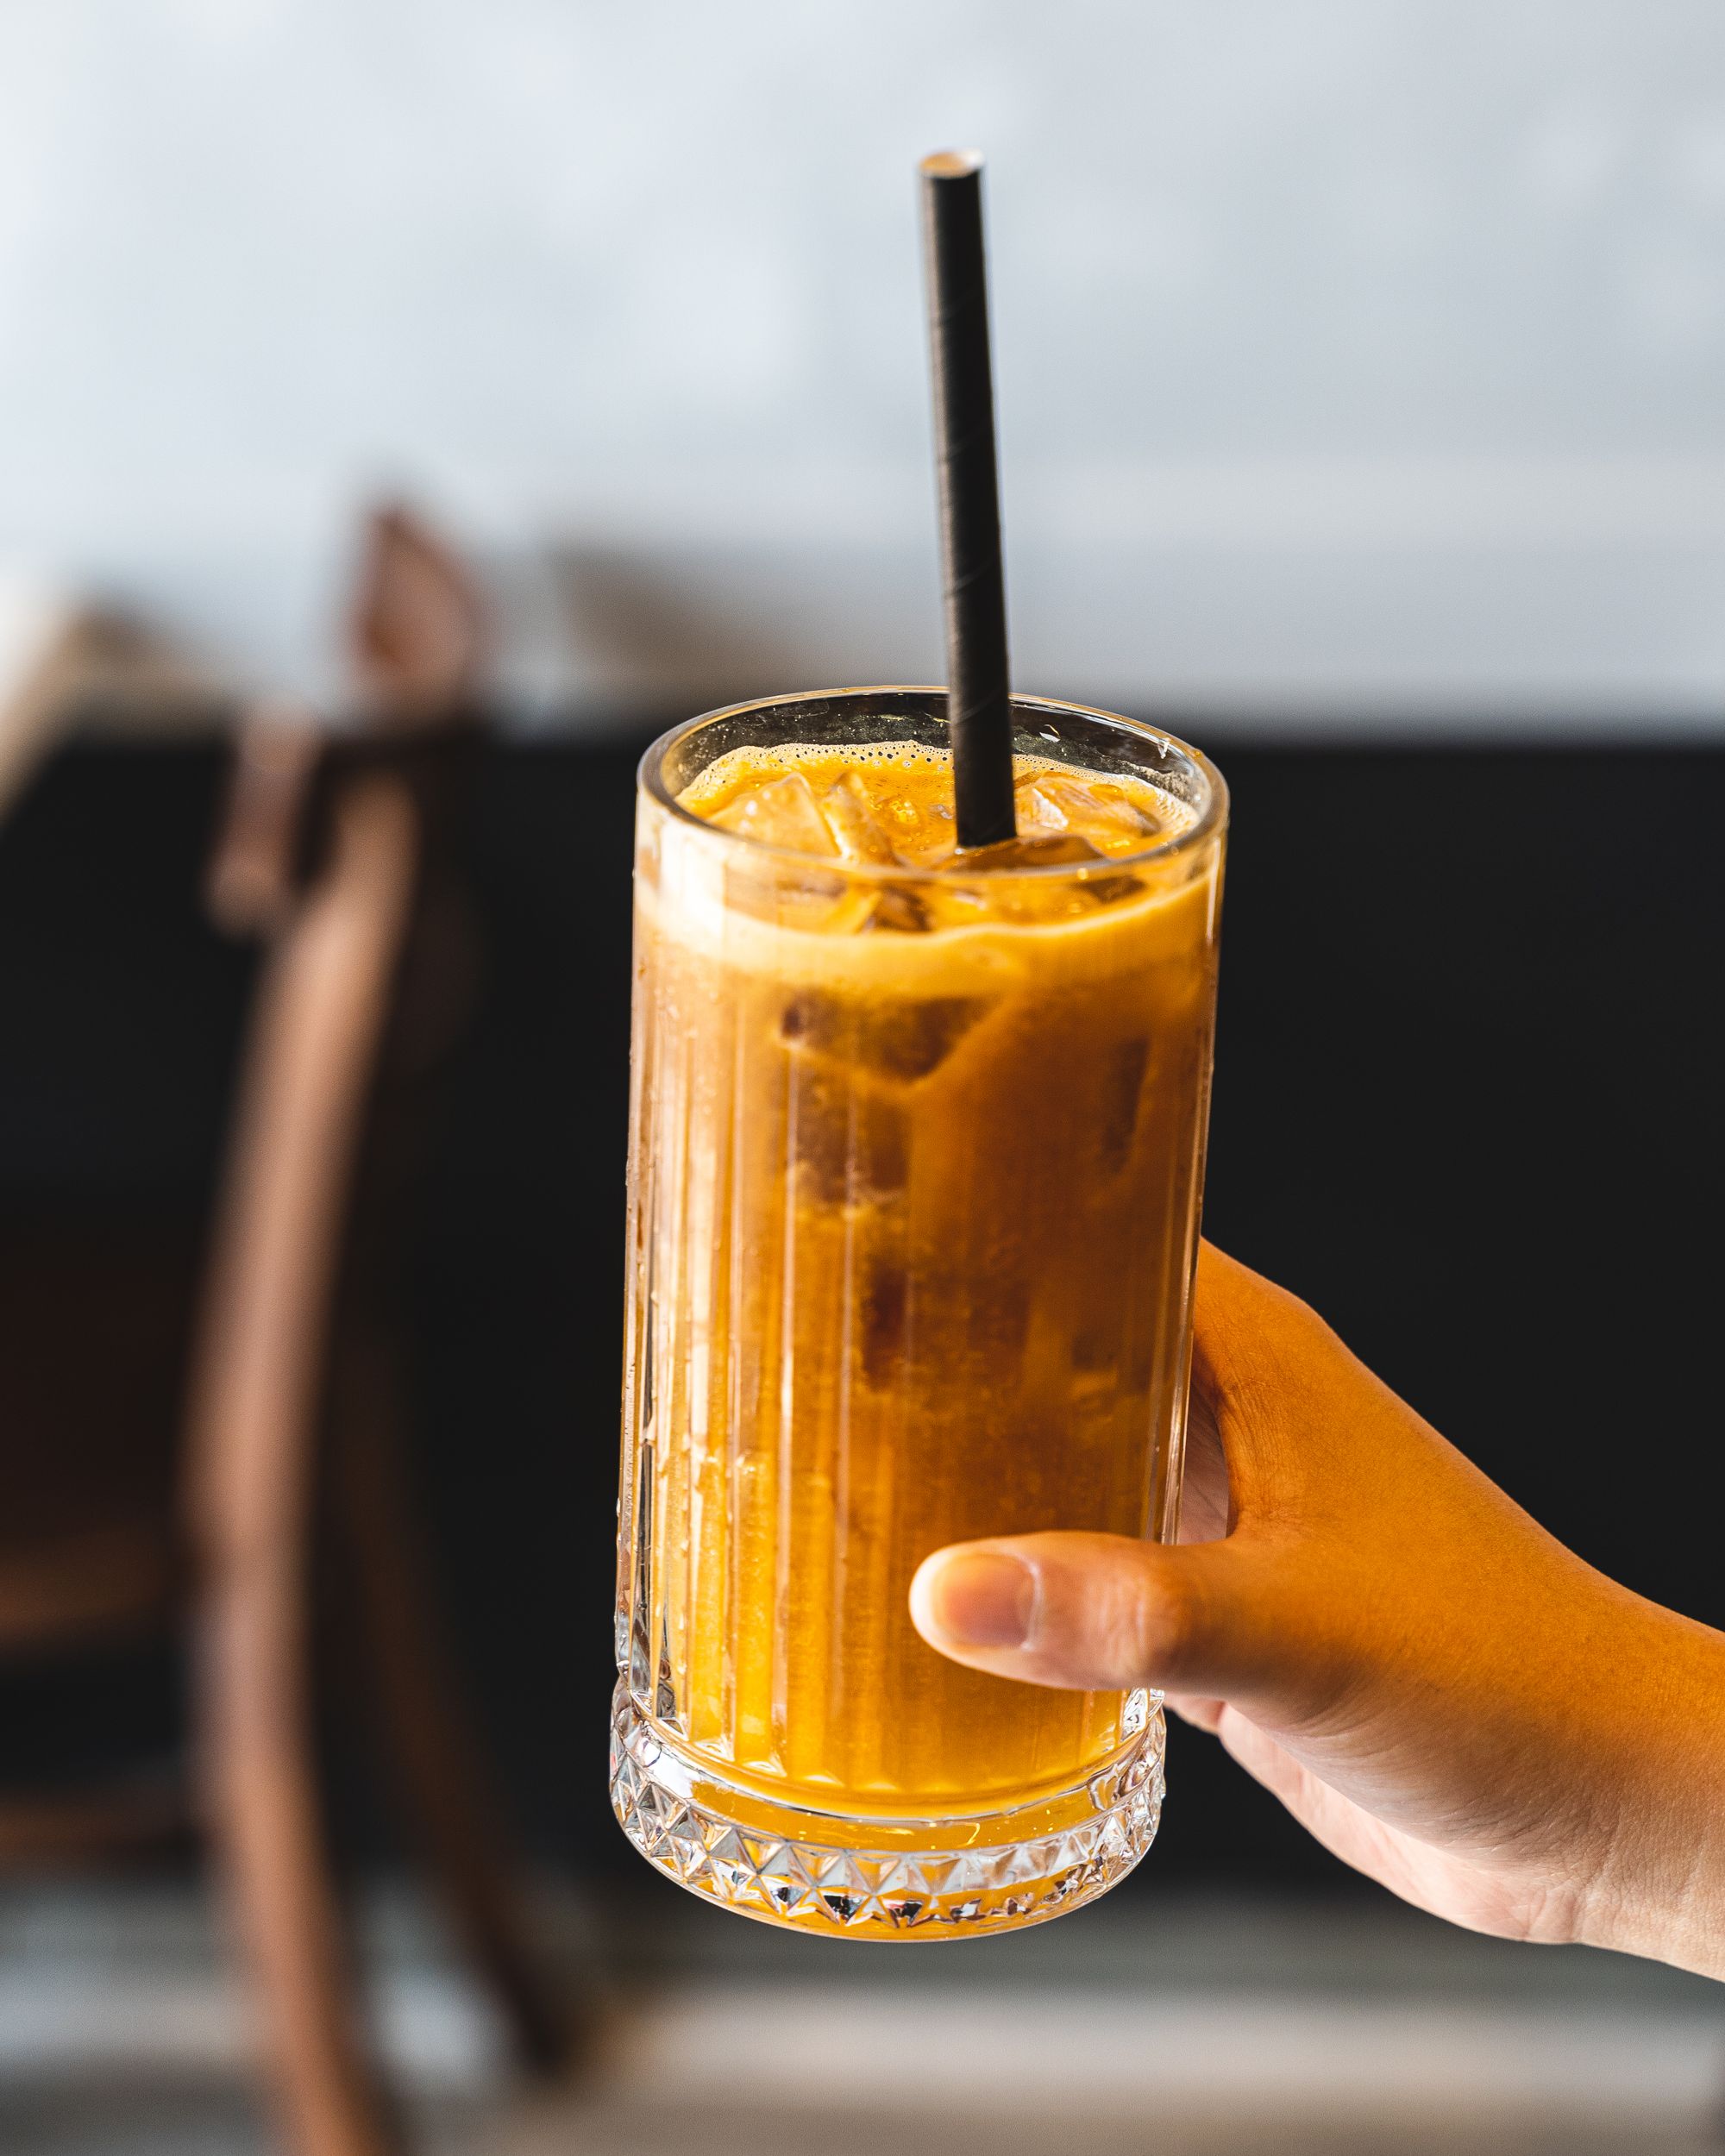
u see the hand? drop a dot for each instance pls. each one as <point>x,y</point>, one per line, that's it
<point>1440,1691</point>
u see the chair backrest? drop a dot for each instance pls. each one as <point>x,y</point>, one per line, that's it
<point>343,851</point>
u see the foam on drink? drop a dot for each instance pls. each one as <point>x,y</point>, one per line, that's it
<point>891,802</point>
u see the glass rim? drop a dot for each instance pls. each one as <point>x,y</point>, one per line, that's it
<point>1210,820</point>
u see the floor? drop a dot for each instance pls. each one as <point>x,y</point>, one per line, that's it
<point>1188,2026</point>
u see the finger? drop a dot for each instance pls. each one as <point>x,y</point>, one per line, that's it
<point>1240,1319</point>
<point>1207,1507</point>
<point>1271,1377</point>
<point>1103,1613</point>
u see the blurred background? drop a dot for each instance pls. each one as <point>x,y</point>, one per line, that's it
<point>1361,367</point>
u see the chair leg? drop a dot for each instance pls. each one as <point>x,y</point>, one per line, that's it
<point>434,1749</point>
<point>262,1798</point>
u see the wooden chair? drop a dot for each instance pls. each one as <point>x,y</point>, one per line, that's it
<point>345,854</point>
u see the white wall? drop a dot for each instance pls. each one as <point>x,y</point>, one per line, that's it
<point>1356,356</point>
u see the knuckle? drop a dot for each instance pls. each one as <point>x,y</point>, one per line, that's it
<point>1150,1624</point>
<point>1118,1613</point>
<point>1173,1617</point>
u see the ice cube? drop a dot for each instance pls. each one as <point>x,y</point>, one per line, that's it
<point>781,812</point>
<point>1110,890</point>
<point>855,824</point>
<point>1037,807</point>
<point>897,1038</point>
<point>1026,899</point>
<point>954,906</point>
<point>855,913</point>
<point>1094,1350</point>
<point>1096,809</point>
<point>1039,899</point>
<point>812,1020</point>
<point>912,1039</point>
<point>1120,1089</point>
<point>921,830</point>
<point>886,1306</point>
<point>907,816</point>
<point>1034,849</point>
<point>850,1141</point>
<point>904,912</point>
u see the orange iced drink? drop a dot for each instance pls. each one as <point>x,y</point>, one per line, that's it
<point>916,1154</point>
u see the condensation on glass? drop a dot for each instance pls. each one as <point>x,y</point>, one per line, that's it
<point>913,1224</point>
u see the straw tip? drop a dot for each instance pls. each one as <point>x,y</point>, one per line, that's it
<point>950,163</point>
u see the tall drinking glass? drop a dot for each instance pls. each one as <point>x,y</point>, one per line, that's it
<point>914,1178</point>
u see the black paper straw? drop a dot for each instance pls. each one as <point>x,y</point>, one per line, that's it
<point>978,702</point>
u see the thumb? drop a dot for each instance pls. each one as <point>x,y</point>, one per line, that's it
<point>1103,1613</point>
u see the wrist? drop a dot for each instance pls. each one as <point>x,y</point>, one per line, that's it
<point>1659,1888</point>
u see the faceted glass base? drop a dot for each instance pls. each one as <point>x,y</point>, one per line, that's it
<point>885,1878</point>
